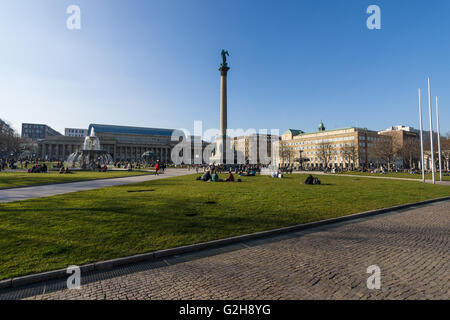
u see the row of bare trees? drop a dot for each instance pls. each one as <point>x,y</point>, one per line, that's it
<point>349,153</point>
<point>9,140</point>
<point>11,144</point>
<point>384,151</point>
<point>445,150</point>
<point>408,150</point>
<point>387,150</point>
<point>325,152</point>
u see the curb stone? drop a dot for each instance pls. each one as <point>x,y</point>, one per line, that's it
<point>151,256</point>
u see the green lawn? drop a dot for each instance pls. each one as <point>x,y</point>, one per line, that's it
<point>22,179</point>
<point>428,176</point>
<point>88,226</point>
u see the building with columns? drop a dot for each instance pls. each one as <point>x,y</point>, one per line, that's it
<point>58,148</point>
<point>129,143</point>
<point>123,143</point>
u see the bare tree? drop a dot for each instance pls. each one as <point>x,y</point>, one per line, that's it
<point>324,151</point>
<point>445,147</point>
<point>383,150</point>
<point>287,154</point>
<point>350,154</point>
<point>10,141</point>
<point>409,152</point>
<point>427,148</point>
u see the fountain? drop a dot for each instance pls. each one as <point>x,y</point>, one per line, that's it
<point>90,156</point>
<point>148,157</point>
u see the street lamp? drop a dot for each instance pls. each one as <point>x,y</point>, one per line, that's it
<point>301,159</point>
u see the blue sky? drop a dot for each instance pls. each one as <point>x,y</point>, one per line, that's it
<point>154,63</point>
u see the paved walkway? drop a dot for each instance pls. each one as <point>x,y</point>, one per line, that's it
<point>16,194</point>
<point>411,247</point>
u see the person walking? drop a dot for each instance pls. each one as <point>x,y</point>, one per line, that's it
<point>157,168</point>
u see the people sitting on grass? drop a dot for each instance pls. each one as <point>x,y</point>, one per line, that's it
<point>247,173</point>
<point>230,177</point>
<point>277,174</point>
<point>214,177</point>
<point>64,170</point>
<point>206,176</point>
<point>312,180</point>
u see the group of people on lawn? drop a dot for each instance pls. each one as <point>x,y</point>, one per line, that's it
<point>211,175</point>
<point>214,177</point>
<point>37,168</point>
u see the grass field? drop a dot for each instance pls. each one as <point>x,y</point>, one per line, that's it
<point>88,226</point>
<point>407,175</point>
<point>22,179</point>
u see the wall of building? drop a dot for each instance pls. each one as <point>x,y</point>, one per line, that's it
<point>75,132</point>
<point>305,148</point>
<point>255,148</point>
<point>38,131</point>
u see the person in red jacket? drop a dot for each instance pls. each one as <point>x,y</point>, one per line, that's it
<point>157,168</point>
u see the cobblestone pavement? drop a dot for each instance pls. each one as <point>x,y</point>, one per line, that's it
<point>17,194</point>
<point>411,248</point>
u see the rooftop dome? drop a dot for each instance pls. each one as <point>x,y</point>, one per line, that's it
<point>321,126</point>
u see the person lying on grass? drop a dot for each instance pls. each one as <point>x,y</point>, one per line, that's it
<point>312,180</point>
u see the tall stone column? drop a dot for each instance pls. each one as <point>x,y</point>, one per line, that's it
<point>222,143</point>
<point>223,100</point>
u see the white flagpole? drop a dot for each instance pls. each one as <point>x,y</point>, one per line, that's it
<point>431,131</point>
<point>439,139</point>
<point>421,137</point>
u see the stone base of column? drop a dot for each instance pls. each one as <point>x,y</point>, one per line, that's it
<point>224,151</point>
